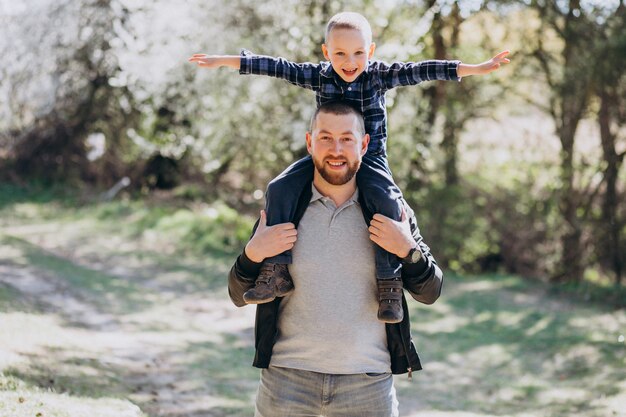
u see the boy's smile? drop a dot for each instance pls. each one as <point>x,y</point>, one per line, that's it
<point>348,51</point>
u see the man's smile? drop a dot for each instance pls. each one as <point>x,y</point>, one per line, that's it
<point>336,164</point>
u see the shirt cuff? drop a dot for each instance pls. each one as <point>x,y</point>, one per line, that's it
<point>248,266</point>
<point>453,70</point>
<point>245,59</point>
<point>416,270</point>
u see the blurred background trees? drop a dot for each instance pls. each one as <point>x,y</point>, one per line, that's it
<point>520,171</point>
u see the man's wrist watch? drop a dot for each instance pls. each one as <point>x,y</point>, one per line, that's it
<point>414,256</point>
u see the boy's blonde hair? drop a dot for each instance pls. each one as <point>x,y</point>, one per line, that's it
<point>349,20</point>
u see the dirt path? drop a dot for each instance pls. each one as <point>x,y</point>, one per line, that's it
<point>141,352</point>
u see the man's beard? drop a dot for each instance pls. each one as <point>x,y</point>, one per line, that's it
<point>337,178</point>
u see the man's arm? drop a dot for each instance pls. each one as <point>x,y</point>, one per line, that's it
<point>422,279</point>
<point>305,75</point>
<point>266,241</point>
<point>241,278</point>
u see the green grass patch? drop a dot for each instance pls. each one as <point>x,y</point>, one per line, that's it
<point>501,344</point>
<point>230,366</point>
<point>105,290</point>
<point>12,300</point>
<point>194,227</point>
<point>21,399</point>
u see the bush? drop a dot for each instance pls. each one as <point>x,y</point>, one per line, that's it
<point>479,227</point>
<point>216,227</point>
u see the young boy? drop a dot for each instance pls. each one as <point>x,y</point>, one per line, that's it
<point>347,75</point>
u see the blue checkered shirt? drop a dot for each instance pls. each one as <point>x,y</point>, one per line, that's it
<point>367,92</point>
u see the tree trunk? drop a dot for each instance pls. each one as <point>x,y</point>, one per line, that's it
<point>449,144</point>
<point>571,266</point>
<point>610,224</point>
<point>572,101</point>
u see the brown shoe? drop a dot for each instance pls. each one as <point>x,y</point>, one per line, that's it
<point>273,281</point>
<point>390,300</point>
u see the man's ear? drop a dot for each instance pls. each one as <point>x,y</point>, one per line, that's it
<point>372,49</point>
<point>325,51</point>
<point>309,139</point>
<point>364,144</point>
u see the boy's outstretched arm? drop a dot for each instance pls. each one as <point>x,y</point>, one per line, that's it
<point>216,61</point>
<point>485,67</point>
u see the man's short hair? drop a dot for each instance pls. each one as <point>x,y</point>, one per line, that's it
<point>349,20</point>
<point>339,108</point>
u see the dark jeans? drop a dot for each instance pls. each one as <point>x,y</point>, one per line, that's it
<point>376,189</point>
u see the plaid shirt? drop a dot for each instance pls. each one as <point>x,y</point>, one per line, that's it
<point>367,92</point>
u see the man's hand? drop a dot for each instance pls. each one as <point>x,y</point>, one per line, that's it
<point>215,61</point>
<point>269,241</point>
<point>394,237</point>
<point>483,68</point>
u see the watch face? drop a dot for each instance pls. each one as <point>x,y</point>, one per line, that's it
<point>416,255</point>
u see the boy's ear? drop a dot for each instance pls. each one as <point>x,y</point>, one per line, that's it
<point>372,49</point>
<point>325,51</point>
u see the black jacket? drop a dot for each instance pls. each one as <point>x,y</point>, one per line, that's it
<point>422,280</point>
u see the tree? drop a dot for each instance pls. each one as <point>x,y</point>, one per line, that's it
<point>564,49</point>
<point>609,87</point>
<point>63,84</point>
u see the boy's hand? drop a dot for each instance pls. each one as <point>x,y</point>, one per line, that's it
<point>206,61</point>
<point>485,67</point>
<point>215,61</point>
<point>394,237</point>
<point>495,62</point>
<point>269,241</point>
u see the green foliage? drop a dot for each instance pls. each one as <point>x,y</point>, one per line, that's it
<point>193,226</point>
<point>199,230</point>
<point>452,221</point>
<point>35,192</point>
<point>216,228</point>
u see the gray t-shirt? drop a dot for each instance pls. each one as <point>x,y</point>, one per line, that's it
<point>329,324</point>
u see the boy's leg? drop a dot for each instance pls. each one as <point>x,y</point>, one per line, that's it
<point>281,200</point>
<point>381,195</point>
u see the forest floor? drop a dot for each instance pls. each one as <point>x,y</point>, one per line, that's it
<point>101,317</point>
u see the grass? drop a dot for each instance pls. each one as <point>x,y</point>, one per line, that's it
<point>108,291</point>
<point>35,403</point>
<point>498,345</point>
<point>170,341</point>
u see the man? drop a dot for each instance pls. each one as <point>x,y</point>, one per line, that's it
<point>321,348</point>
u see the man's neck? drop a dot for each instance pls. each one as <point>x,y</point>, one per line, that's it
<point>338,193</point>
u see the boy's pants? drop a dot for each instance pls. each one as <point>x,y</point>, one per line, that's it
<point>376,189</point>
<point>286,392</point>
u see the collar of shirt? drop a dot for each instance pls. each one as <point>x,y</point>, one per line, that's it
<point>316,195</point>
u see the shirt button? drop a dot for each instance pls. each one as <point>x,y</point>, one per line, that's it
<point>349,88</point>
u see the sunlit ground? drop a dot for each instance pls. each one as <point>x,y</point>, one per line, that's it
<point>94,317</point>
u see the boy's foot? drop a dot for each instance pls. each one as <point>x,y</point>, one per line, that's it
<point>390,300</point>
<point>273,281</point>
